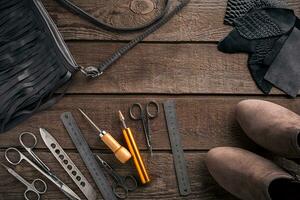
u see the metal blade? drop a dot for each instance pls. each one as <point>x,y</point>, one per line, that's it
<point>69,193</point>
<point>45,136</point>
<point>91,122</point>
<point>48,139</point>
<point>58,151</point>
<point>17,176</point>
<point>7,168</point>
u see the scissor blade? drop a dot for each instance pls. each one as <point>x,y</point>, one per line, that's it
<point>10,170</point>
<point>99,158</point>
<point>64,188</point>
<point>7,168</point>
<point>69,193</point>
<point>17,176</point>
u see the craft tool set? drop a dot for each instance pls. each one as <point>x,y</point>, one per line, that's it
<point>118,186</point>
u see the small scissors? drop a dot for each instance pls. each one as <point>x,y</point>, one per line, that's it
<point>10,155</point>
<point>145,115</point>
<point>32,188</point>
<point>123,184</point>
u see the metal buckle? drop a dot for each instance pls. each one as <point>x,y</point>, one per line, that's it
<point>90,72</point>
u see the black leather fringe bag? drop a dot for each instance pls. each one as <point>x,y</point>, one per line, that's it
<point>35,61</point>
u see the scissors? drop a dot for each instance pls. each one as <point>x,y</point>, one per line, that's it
<point>145,115</point>
<point>123,184</point>
<point>14,157</point>
<point>32,188</point>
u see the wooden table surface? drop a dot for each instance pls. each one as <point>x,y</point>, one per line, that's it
<point>180,61</point>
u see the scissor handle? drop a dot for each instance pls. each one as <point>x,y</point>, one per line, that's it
<point>39,182</point>
<point>120,191</point>
<point>156,106</point>
<point>12,149</point>
<point>26,146</point>
<point>30,192</point>
<point>139,114</point>
<point>130,183</point>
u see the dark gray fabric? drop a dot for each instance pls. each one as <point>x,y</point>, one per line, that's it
<point>284,71</point>
<point>32,67</point>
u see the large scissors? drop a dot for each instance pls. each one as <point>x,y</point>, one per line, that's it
<point>123,184</point>
<point>14,157</point>
<point>33,189</point>
<point>137,113</point>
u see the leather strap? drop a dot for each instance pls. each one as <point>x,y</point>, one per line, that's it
<point>150,27</point>
<point>74,8</point>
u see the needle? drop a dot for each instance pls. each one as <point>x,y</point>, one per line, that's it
<point>121,153</point>
<point>90,121</point>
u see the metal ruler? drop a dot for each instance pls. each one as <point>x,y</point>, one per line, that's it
<point>178,154</point>
<point>68,165</point>
<point>87,156</point>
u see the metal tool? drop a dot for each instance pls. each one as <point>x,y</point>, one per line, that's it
<point>123,184</point>
<point>137,113</point>
<point>68,165</point>
<point>178,154</point>
<point>87,156</point>
<point>32,188</point>
<point>38,164</point>
<point>121,153</point>
<point>135,152</point>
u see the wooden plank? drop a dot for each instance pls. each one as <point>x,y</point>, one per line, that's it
<point>164,68</point>
<point>205,122</point>
<point>201,20</point>
<point>163,185</point>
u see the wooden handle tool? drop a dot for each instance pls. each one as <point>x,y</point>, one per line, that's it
<point>121,153</point>
<point>133,148</point>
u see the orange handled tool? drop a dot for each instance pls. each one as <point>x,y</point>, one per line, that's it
<point>121,153</point>
<point>133,148</point>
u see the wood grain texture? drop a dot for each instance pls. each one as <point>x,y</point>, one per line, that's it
<point>164,69</point>
<point>180,61</point>
<point>201,20</point>
<point>161,169</point>
<point>204,122</point>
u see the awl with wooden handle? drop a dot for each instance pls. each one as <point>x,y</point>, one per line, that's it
<point>121,153</point>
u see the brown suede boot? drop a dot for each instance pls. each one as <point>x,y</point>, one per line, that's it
<point>249,176</point>
<point>271,126</point>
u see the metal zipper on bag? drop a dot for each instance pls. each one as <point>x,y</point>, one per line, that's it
<point>90,71</point>
<point>178,154</point>
<point>56,35</point>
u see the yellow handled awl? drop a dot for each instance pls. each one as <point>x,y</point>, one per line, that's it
<point>121,153</point>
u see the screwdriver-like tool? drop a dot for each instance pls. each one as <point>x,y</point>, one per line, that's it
<point>121,153</point>
<point>135,152</point>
